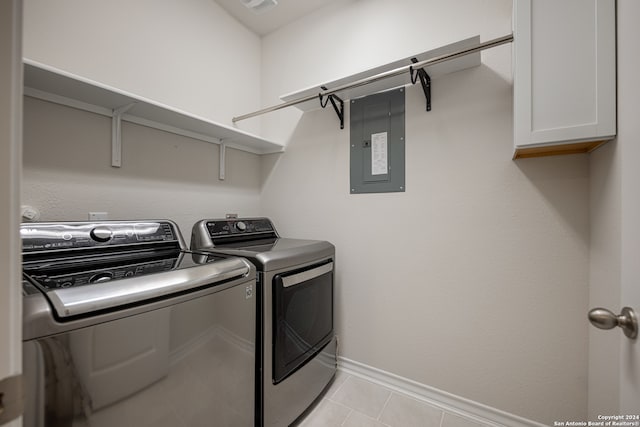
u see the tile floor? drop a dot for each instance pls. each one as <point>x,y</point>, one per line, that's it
<point>353,402</point>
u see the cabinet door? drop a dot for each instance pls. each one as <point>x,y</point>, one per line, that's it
<point>564,76</point>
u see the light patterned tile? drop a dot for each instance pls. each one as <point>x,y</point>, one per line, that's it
<point>356,419</point>
<point>402,411</point>
<point>338,380</point>
<point>326,414</point>
<point>363,396</point>
<point>451,420</point>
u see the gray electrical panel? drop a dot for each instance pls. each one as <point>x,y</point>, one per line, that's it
<point>377,143</point>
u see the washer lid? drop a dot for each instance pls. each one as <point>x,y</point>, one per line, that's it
<point>96,297</point>
<point>280,253</point>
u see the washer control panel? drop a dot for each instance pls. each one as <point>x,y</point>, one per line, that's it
<point>60,236</point>
<point>90,277</point>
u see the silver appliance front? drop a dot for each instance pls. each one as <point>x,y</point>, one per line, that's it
<point>302,317</point>
<point>284,400</point>
<point>296,326</point>
<point>187,361</point>
<point>185,364</point>
<point>123,327</point>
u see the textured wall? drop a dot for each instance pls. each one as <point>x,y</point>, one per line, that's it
<point>474,280</point>
<point>67,171</point>
<point>190,54</point>
<point>176,53</point>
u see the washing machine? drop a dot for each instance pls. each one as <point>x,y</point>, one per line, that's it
<point>123,326</point>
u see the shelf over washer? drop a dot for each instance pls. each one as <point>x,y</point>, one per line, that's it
<point>50,84</point>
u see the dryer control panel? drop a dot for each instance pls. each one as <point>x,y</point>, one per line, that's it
<point>239,226</point>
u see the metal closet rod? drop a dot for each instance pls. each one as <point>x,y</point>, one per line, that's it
<point>391,73</point>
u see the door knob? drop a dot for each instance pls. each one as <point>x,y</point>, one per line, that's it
<point>605,319</point>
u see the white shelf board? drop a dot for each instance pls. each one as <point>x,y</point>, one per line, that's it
<point>434,71</point>
<point>48,83</point>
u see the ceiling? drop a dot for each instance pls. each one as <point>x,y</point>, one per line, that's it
<point>285,12</point>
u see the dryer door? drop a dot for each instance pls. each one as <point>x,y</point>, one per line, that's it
<point>303,317</point>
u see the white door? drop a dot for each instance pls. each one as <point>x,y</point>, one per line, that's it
<point>614,359</point>
<point>629,146</point>
<point>10,170</point>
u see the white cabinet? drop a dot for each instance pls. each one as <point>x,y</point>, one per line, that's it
<point>564,64</point>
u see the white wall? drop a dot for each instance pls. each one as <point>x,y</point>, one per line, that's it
<point>188,54</point>
<point>178,53</point>
<point>350,36</point>
<point>67,171</point>
<point>474,280</point>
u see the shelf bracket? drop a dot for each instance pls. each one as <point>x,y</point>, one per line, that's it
<point>425,81</point>
<point>223,153</point>
<point>116,134</point>
<point>333,98</point>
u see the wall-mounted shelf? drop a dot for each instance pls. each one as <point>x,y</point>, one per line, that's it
<point>446,59</point>
<point>434,71</point>
<point>50,84</point>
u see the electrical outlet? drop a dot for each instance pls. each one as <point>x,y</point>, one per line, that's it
<point>29,213</point>
<point>98,216</point>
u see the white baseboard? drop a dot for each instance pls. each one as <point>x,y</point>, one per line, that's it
<point>448,402</point>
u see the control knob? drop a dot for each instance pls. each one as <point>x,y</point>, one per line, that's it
<point>241,226</point>
<point>101,277</point>
<point>101,234</point>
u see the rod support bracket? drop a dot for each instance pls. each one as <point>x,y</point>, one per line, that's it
<point>222,160</point>
<point>333,98</point>
<point>116,133</point>
<point>425,81</point>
